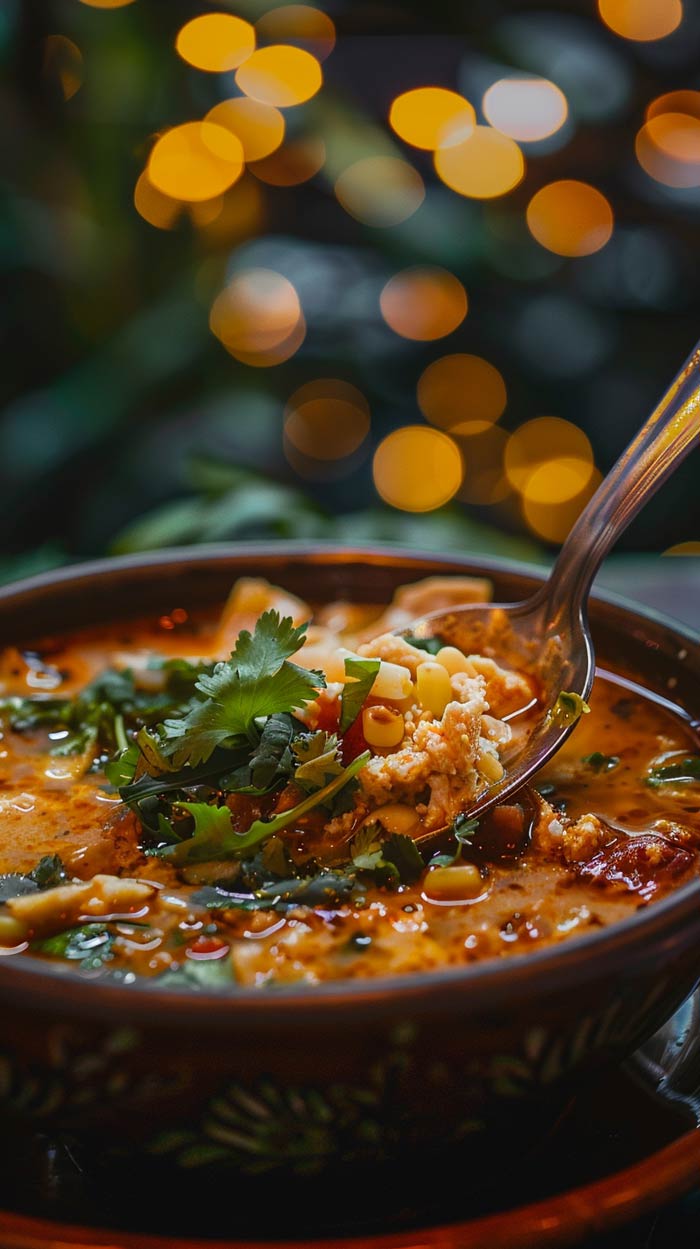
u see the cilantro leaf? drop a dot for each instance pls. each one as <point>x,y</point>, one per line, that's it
<point>600,762</point>
<point>366,848</point>
<point>363,672</point>
<point>49,872</point>
<point>392,860</point>
<point>215,838</point>
<point>568,708</point>
<point>122,770</point>
<point>258,680</point>
<point>685,772</point>
<point>211,973</point>
<point>318,760</point>
<point>403,852</point>
<point>430,645</point>
<point>271,760</point>
<point>91,943</point>
<point>462,829</point>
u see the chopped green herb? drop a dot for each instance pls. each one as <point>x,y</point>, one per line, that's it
<point>685,772</point>
<point>431,645</point>
<point>363,673</point>
<point>49,872</point>
<point>210,973</point>
<point>568,708</point>
<point>91,943</point>
<point>393,859</point>
<point>600,762</point>
<point>318,760</point>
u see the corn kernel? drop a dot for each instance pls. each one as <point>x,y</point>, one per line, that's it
<point>12,931</point>
<point>489,766</point>
<point>382,727</point>
<point>455,660</point>
<point>454,884</point>
<point>395,818</point>
<point>392,682</point>
<point>433,687</point>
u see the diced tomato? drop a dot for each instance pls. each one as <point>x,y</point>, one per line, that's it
<point>353,741</point>
<point>328,714</point>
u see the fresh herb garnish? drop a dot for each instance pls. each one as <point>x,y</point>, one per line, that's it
<point>391,860</point>
<point>210,973</point>
<point>363,673</point>
<point>91,943</point>
<point>48,872</point>
<point>318,760</point>
<point>256,681</point>
<point>568,708</point>
<point>431,645</point>
<point>214,836</point>
<point>685,772</point>
<point>600,762</point>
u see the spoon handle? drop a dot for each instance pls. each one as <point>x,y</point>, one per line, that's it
<point>672,430</point>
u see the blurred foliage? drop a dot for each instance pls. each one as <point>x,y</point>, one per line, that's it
<point>125,424</point>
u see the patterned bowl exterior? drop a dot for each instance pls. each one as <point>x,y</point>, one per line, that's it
<point>297,1081</point>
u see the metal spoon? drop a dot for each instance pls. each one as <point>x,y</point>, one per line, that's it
<point>549,631</point>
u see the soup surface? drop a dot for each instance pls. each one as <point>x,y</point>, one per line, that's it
<point>236,801</point>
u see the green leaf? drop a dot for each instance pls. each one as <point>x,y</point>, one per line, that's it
<point>15,885</point>
<point>271,762</point>
<point>403,852</point>
<point>210,973</point>
<point>257,681</point>
<point>318,760</point>
<point>121,771</point>
<point>49,872</point>
<point>91,943</point>
<point>431,645</point>
<point>366,848</point>
<point>219,841</point>
<point>685,772</point>
<point>600,762</point>
<point>568,708</point>
<point>463,828</point>
<point>355,691</point>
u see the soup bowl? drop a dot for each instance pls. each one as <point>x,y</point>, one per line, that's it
<point>303,1079</point>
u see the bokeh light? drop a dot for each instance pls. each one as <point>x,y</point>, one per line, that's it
<point>429,116</point>
<point>259,127</point>
<point>216,42</point>
<point>570,218</point>
<point>327,419</point>
<point>527,109</point>
<point>423,303</point>
<point>417,469</point>
<point>195,161</point>
<point>295,162</point>
<point>156,208</point>
<point>539,442</point>
<point>687,102</point>
<point>482,166</point>
<point>641,20</point>
<point>692,547</point>
<point>668,149</point>
<point>107,4</point>
<point>300,25</point>
<point>242,215</point>
<point>258,318</point>
<point>380,190</point>
<point>461,393</point>
<point>552,519</point>
<point>63,64</point>
<point>281,75</point>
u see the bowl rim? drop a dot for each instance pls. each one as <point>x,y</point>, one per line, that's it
<point>482,983</point>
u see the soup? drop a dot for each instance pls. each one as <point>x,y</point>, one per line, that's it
<point>236,801</point>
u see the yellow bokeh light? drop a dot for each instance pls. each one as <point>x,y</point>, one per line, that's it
<point>668,149</point>
<point>692,547</point>
<point>423,303</point>
<point>242,214</point>
<point>429,116</point>
<point>540,441</point>
<point>557,480</point>
<point>463,394</point>
<point>554,521</point>
<point>482,166</point>
<point>417,469</point>
<point>485,482</point>
<point>258,317</point>
<point>216,42</point>
<point>281,75</point>
<point>107,4</point>
<point>195,161</point>
<point>295,162</point>
<point>687,102</point>
<point>641,20</point>
<point>327,419</point>
<point>526,109</point>
<point>205,212</point>
<point>570,218</point>
<point>155,207</point>
<point>259,127</point>
<point>380,190</point>
<point>301,25</point>
<point>63,63</point>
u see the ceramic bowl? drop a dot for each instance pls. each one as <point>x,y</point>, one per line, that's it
<point>300,1080</point>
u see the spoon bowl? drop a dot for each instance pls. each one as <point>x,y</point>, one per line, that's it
<point>548,635</point>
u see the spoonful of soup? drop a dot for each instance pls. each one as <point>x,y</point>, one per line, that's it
<point>548,636</point>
